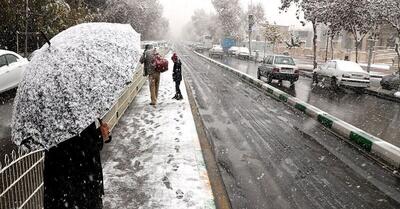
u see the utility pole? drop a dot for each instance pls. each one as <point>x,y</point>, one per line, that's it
<point>371,44</point>
<point>26,28</point>
<point>251,24</point>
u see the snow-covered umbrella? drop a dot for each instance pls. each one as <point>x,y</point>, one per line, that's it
<point>69,84</point>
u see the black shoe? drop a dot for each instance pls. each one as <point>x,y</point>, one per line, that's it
<point>153,104</point>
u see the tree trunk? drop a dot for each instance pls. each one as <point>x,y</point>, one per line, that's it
<point>265,46</point>
<point>398,56</point>
<point>357,43</point>
<point>332,50</point>
<point>326,48</point>
<point>315,44</point>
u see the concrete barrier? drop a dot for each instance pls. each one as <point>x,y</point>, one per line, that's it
<point>386,151</point>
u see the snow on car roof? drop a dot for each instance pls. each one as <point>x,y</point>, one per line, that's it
<point>74,81</point>
<point>349,66</point>
<point>2,52</point>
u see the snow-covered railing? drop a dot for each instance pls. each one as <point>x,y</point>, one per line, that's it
<point>118,109</point>
<point>21,184</point>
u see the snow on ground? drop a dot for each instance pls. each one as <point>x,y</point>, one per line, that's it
<point>397,94</point>
<point>74,81</point>
<point>155,159</point>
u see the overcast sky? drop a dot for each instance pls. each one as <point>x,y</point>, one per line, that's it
<point>179,12</point>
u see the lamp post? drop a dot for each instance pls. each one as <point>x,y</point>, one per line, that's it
<point>26,27</point>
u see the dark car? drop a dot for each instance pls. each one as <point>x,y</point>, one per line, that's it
<point>390,82</point>
<point>278,67</point>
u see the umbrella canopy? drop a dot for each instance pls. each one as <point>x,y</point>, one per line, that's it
<point>77,79</point>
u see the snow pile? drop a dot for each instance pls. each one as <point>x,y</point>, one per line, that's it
<point>73,82</point>
<point>397,94</point>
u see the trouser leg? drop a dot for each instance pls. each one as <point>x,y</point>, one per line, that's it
<point>157,83</point>
<point>152,84</point>
<point>177,89</point>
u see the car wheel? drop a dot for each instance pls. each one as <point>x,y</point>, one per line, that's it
<point>269,78</point>
<point>315,78</point>
<point>334,83</point>
<point>386,86</point>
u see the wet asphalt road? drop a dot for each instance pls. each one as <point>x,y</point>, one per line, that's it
<point>271,156</point>
<point>376,116</point>
<point>6,102</point>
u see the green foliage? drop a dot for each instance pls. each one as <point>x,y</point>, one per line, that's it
<point>48,16</point>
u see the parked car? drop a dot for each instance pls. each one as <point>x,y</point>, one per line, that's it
<point>244,53</point>
<point>233,51</point>
<point>216,51</point>
<point>278,67</point>
<point>12,67</point>
<point>343,73</point>
<point>199,48</point>
<point>390,82</point>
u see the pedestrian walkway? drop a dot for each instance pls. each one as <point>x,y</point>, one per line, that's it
<point>155,159</point>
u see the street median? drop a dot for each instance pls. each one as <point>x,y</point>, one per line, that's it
<point>389,153</point>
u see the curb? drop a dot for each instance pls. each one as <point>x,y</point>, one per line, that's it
<point>386,151</point>
<point>382,95</point>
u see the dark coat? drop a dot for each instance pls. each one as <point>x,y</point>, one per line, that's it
<point>177,71</point>
<point>147,59</point>
<point>73,173</point>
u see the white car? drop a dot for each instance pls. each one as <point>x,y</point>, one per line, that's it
<point>244,53</point>
<point>343,73</point>
<point>216,51</point>
<point>234,50</point>
<point>12,67</point>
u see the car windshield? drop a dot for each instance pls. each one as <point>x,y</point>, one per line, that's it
<point>279,60</point>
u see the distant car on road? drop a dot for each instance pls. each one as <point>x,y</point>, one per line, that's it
<point>216,51</point>
<point>342,73</point>
<point>233,51</point>
<point>244,53</point>
<point>12,67</point>
<point>278,67</point>
<point>199,48</point>
<point>390,82</point>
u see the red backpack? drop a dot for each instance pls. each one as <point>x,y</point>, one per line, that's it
<point>161,64</point>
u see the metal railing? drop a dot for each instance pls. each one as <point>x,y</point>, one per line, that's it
<point>22,180</point>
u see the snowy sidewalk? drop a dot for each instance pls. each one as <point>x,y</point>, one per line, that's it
<point>155,159</point>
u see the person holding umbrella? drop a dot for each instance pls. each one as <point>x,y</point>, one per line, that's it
<point>66,88</point>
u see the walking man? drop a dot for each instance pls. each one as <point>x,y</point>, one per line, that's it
<point>148,59</point>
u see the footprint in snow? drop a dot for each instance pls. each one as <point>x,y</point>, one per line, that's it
<point>177,147</point>
<point>175,167</point>
<point>179,194</point>
<point>170,158</point>
<point>166,182</point>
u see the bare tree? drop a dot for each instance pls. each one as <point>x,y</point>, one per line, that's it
<point>312,10</point>
<point>229,13</point>
<point>389,11</point>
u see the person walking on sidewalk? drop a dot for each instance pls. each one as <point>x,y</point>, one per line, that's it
<point>177,76</point>
<point>148,59</point>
